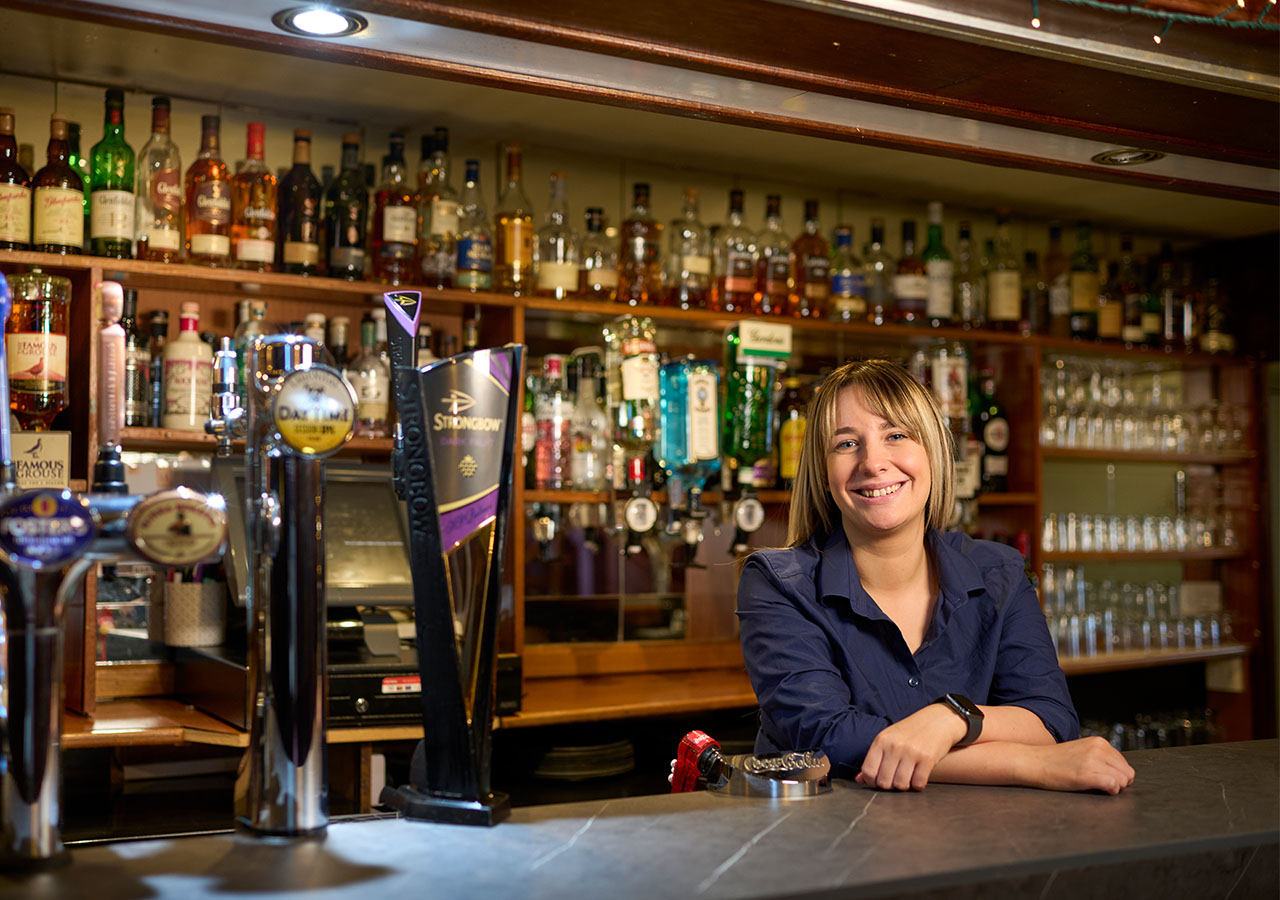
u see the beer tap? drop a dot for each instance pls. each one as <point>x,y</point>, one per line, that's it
<point>406,309</point>
<point>226,415</point>
<point>298,411</point>
<point>49,541</point>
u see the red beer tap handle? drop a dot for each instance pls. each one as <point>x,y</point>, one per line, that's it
<point>695,756</point>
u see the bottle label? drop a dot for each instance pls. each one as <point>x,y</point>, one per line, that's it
<point>166,190</point>
<point>137,386</point>
<point>777,274</point>
<point>557,276</point>
<point>372,396</point>
<point>951,384</point>
<point>695,265</point>
<point>475,262</point>
<point>995,466</point>
<point>1060,296</point>
<point>704,421</point>
<point>111,215</point>
<point>187,385</point>
<point>299,253</point>
<point>848,308</point>
<point>517,246</point>
<point>162,239</point>
<point>849,284</point>
<point>210,245</point>
<point>443,220</point>
<point>1152,324</point>
<point>58,217</point>
<point>938,299</point>
<point>768,340</point>
<point>255,250</point>
<point>1131,334</point>
<point>399,225</point>
<point>740,277</point>
<point>639,375</point>
<point>816,270</point>
<point>1084,292</point>
<point>912,288</point>
<point>37,361</point>
<point>995,434</point>
<point>606,278</point>
<point>528,432</point>
<point>968,478</point>
<point>1004,296</point>
<point>346,258</point>
<point>790,440</point>
<point>15,213</point>
<point>212,204</point>
<point>1110,319</point>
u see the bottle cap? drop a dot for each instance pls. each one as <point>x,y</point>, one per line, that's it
<point>935,213</point>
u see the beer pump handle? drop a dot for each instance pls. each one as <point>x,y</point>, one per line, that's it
<point>8,476</point>
<point>108,471</point>
<point>403,311</point>
<point>697,755</point>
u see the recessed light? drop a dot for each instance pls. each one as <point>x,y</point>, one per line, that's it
<point>319,21</point>
<point>1127,157</point>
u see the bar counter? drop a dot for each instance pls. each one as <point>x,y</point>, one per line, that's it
<point>1198,821</point>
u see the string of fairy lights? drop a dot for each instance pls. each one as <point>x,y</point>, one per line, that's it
<point>1169,18</point>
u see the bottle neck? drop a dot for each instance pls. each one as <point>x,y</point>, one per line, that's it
<point>189,323</point>
<point>210,145</point>
<point>159,122</point>
<point>439,173</point>
<point>935,236</point>
<point>301,154</point>
<point>58,149</point>
<point>113,122</point>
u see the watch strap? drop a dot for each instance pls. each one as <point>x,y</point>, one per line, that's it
<point>967,710</point>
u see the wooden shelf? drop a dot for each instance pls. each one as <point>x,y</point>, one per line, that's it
<point>1155,355</point>
<point>1126,660</point>
<point>1007,499</point>
<point>1144,556</point>
<point>172,439</point>
<point>1152,456</point>
<point>148,721</point>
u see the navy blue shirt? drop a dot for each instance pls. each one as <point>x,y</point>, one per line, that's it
<point>831,670</point>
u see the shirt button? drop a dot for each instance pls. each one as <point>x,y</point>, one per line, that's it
<point>913,681</point>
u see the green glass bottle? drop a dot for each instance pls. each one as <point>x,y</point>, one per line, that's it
<point>111,206</point>
<point>1084,285</point>
<point>938,269</point>
<point>755,352</point>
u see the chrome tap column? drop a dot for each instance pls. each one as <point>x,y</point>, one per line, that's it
<point>298,412</point>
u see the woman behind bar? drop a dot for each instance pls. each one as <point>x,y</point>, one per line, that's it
<point>877,637</point>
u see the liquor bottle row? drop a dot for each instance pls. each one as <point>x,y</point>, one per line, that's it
<point>434,236</point>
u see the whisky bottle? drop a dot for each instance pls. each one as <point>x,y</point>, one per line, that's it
<point>878,271</point>
<point>57,199</point>
<point>736,256</point>
<point>371,378</point>
<point>688,275</point>
<point>631,385</point>
<point>473,270</point>
<point>1214,336</point>
<point>394,234</point>
<point>556,249</point>
<point>346,209</point>
<point>1129,288</point>
<point>1084,285</point>
<point>188,374</point>
<point>1169,295</point>
<point>598,270</point>
<point>298,225</point>
<point>1057,278</point>
<point>639,266</point>
<point>111,186</point>
<point>158,328</point>
<point>848,280</point>
<point>137,365</point>
<point>938,272</point>
<point>812,256</point>
<point>437,213</point>
<point>253,207</point>
<point>1004,283</point>
<point>35,343</point>
<point>208,191</point>
<point>338,327</point>
<point>513,230</point>
<point>80,163</point>
<point>159,194</point>
<point>1035,296</point>
<point>775,267</point>
<point>910,283</point>
<point>15,190</point>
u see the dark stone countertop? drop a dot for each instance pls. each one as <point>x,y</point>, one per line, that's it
<point>1185,803</point>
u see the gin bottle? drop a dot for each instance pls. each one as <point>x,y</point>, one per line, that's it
<point>252,324</point>
<point>158,207</point>
<point>878,270</point>
<point>688,447</point>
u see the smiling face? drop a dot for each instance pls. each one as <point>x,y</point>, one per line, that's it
<point>877,472</point>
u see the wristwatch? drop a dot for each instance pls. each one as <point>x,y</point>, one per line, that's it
<point>966,709</point>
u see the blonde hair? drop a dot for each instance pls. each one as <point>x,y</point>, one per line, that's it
<point>889,392</point>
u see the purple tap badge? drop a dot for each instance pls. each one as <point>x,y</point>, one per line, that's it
<point>405,307</point>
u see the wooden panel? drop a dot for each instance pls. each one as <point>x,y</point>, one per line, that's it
<point>1126,660</point>
<point>564,660</point>
<point>152,721</point>
<point>128,679</point>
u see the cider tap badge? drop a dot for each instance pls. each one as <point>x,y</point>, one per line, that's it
<point>314,410</point>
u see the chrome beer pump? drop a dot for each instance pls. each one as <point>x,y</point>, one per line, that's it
<point>298,411</point>
<point>49,541</point>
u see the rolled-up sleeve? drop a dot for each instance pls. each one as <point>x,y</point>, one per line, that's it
<point>805,699</point>
<point>1027,673</point>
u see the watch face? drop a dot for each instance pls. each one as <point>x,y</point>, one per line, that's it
<point>965,705</point>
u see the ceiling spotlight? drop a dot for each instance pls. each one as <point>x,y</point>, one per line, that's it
<point>1127,157</point>
<point>319,21</point>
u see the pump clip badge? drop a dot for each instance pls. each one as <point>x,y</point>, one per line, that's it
<point>45,529</point>
<point>314,411</point>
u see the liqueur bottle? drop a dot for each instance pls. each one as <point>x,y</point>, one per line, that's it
<point>208,190</point>
<point>688,257</point>
<point>513,230</point>
<point>394,233</point>
<point>993,426</point>
<point>1004,283</point>
<point>298,224</point>
<point>371,378</point>
<point>878,272</point>
<point>137,366</point>
<point>437,213</point>
<point>848,280</point>
<point>1084,285</point>
<point>792,424</point>
<point>938,271</point>
<point>57,199</point>
<point>736,255</point>
<point>910,283</point>
<point>556,249</point>
<point>111,186</point>
<point>474,267</point>
<point>812,268</point>
<point>639,266</point>
<point>598,269</point>
<point>970,289</point>
<point>159,195</point>
<point>158,327</point>
<point>776,267</point>
<point>553,414</point>
<point>253,207</point>
<point>188,374</point>
<point>346,211</point>
<point>15,190</point>
<point>1057,277</point>
<point>35,343</point>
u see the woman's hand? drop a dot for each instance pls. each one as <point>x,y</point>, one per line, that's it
<point>903,755</point>
<point>1088,764</point>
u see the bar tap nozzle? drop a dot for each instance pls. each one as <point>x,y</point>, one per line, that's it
<point>226,416</point>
